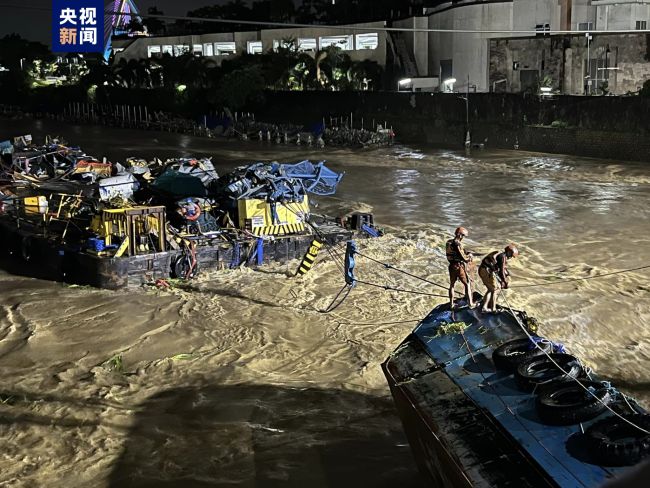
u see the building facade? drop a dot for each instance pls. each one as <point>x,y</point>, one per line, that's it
<point>514,52</point>
<point>360,41</point>
<point>464,56</point>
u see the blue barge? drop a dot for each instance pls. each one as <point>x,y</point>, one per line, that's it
<point>472,424</point>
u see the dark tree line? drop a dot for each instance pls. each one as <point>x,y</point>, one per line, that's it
<point>307,12</point>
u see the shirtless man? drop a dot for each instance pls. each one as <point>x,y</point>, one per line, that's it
<point>494,272</point>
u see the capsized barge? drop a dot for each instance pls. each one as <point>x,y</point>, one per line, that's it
<point>471,423</point>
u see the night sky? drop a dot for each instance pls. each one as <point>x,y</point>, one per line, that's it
<point>35,25</point>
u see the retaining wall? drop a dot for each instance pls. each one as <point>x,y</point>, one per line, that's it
<point>607,127</point>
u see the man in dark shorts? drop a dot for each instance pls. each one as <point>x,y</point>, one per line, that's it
<point>458,265</point>
<point>494,272</point>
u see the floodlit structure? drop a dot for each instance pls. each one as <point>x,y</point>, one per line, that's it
<point>117,21</point>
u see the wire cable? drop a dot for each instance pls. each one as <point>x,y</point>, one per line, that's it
<point>586,278</point>
<point>331,307</point>
<point>390,266</point>
<point>338,261</point>
<point>401,290</point>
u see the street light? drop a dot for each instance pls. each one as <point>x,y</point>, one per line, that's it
<point>448,85</point>
<point>588,77</point>
<point>468,137</point>
<point>403,82</point>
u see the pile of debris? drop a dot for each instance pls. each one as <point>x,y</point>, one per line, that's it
<point>139,206</point>
<point>344,136</point>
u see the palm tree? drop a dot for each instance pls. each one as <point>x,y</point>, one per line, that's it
<point>365,75</point>
<point>303,74</point>
<point>124,74</point>
<point>332,64</point>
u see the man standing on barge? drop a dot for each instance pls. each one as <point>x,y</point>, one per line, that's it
<point>494,271</point>
<point>459,261</point>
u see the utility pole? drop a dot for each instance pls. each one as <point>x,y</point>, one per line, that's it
<point>468,138</point>
<point>588,64</point>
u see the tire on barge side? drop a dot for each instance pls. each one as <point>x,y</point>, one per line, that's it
<point>509,356</point>
<point>569,403</point>
<point>542,371</point>
<point>613,441</point>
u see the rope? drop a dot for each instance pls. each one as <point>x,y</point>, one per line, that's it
<point>330,307</point>
<point>332,252</point>
<point>570,280</point>
<point>395,322</point>
<point>390,266</point>
<point>566,373</point>
<point>401,290</point>
<point>328,247</point>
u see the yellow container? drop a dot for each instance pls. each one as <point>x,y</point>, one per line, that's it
<point>256,216</point>
<point>36,205</point>
<point>126,225</point>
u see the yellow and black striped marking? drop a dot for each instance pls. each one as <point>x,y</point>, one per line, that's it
<point>310,257</point>
<point>278,230</point>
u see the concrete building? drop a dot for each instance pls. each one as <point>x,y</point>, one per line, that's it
<point>360,44</point>
<point>516,51</point>
<point>464,56</point>
<point>570,64</point>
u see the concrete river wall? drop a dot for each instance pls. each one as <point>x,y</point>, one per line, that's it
<point>603,127</point>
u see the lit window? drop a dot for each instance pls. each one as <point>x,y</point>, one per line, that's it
<point>197,49</point>
<point>180,49</point>
<point>224,48</point>
<point>208,49</point>
<point>254,47</point>
<point>167,50</point>
<point>284,44</point>
<point>344,42</point>
<point>307,45</point>
<point>154,51</point>
<point>367,41</point>
<point>585,26</point>
<point>641,25</point>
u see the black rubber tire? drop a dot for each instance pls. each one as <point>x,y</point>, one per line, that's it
<point>568,403</point>
<point>180,266</point>
<point>528,375</point>
<point>614,442</point>
<point>508,356</point>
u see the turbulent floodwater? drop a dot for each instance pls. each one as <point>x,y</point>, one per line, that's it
<point>238,379</point>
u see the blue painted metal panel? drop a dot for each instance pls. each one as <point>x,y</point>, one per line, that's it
<point>483,330</point>
<point>515,411</point>
<point>468,362</point>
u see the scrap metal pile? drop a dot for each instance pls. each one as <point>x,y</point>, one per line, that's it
<point>141,207</point>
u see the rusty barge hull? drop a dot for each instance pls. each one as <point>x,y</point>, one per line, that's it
<point>46,259</point>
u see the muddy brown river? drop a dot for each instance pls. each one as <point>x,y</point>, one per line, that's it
<point>238,379</point>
